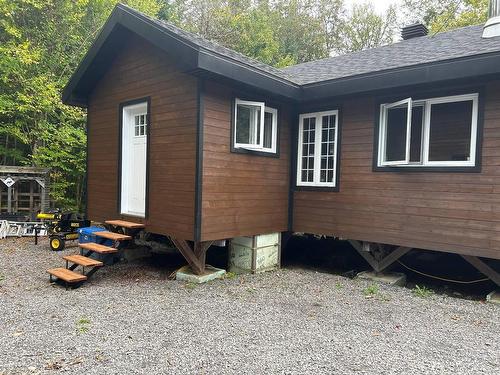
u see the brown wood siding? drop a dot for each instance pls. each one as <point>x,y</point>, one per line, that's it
<point>142,70</point>
<point>242,194</point>
<point>452,212</point>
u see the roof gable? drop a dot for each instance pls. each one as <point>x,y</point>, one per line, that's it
<point>195,54</point>
<point>454,55</point>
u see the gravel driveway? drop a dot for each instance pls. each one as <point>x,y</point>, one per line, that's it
<point>130,319</point>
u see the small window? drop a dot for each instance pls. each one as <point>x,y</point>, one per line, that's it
<point>255,126</point>
<point>140,124</point>
<point>317,153</point>
<point>397,132</point>
<point>429,132</point>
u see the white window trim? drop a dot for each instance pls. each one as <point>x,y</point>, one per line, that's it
<point>263,110</point>
<point>262,106</point>
<point>274,134</point>
<point>426,124</point>
<point>383,112</point>
<point>143,126</point>
<point>317,149</point>
<point>128,114</point>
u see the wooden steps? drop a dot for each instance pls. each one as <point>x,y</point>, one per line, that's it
<point>73,279</point>
<point>66,275</point>
<point>125,224</point>
<point>83,261</point>
<point>113,236</point>
<point>97,248</point>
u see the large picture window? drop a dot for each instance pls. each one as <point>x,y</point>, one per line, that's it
<point>255,126</point>
<point>317,149</point>
<point>429,132</point>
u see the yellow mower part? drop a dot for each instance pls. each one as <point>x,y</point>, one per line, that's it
<point>55,244</point>
<point>43,216</point>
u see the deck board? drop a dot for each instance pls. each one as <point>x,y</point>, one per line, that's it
<point>113,236</point>
<point>82,260</point>
<point>125,224</point>
<point>101,249</point>
<point>67,275</point>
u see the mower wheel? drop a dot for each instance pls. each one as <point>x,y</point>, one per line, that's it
<point>56,243</point>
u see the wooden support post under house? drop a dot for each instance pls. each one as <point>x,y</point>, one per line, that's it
<point>377,255</point>
<point>483,268</point>
<point>194,253</point>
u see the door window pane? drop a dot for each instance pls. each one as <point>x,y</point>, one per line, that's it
<point>140,125</point>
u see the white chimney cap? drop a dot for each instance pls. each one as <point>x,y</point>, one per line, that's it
<point>492,26</point>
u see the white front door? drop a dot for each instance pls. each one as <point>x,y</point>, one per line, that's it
<point>133,160</point>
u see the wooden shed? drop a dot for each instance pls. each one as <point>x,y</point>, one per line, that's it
<point>24,191</point>
<point>393,148</point>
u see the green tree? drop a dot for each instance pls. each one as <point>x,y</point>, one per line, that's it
<point>41,43</point>
<point>279,33</point>
<point>364,28</point>
<point>442,15</point>
<point>284,32</point>
<point>301,34</point>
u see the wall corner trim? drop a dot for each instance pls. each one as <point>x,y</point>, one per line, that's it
<point>199,161</point>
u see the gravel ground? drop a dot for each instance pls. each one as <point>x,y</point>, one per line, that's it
<point>130,319</point>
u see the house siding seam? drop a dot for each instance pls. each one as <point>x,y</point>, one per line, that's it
<point>199,161</point>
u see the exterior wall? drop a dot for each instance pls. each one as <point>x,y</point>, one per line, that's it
<point>452,212</point>
<point>242,194</point>
<point>142,70</point>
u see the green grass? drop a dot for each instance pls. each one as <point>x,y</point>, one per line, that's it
<point>229,275</point>
<point>82,325</point>
<point>422,291</point>
<point>338,285</point>
<point>191,286</point>
<point>371,290</point>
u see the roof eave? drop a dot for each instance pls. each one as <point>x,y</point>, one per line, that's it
<point>463,68</point>
<point>247,75</point>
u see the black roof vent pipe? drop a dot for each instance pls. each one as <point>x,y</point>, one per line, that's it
<point>414,31</point>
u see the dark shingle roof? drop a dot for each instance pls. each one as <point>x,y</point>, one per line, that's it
<point>459,43</point>
<point>200,42</point>
<point>454,44</point>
